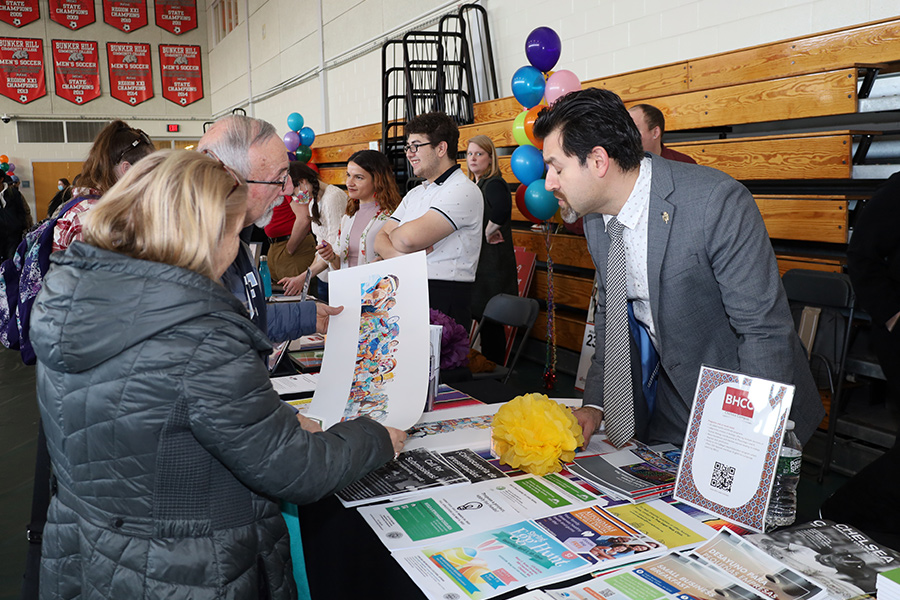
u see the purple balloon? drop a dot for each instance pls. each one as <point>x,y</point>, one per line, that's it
<point>12,168</point>
<point>292,141</point>
<point>543,47</point>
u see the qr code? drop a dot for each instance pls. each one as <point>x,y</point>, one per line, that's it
<point>722,477</point>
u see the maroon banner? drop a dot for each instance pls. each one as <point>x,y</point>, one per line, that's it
<point>19,12</point>
<point>182,73</point>
<point>130,75</point>
<point>125,15</point>
<point>72,14</point>
<point>176,16</point>
<point>76,66</point>
<point>22,69</point>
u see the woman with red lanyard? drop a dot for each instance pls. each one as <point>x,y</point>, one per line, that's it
<point>291,248</point>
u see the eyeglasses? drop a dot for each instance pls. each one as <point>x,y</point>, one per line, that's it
<point>142,138</point>
<point>282,182</point>
<point>413,147</point>
<point>237,179</point>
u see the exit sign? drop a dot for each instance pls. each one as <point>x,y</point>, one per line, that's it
<point>173,128</point>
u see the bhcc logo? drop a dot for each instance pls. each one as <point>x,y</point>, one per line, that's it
<point>737,401</point>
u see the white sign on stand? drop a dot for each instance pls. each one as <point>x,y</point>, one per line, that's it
<point>732,445</point>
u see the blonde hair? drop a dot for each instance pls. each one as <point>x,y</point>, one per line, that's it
<point>485,143</point>
<point>173,207</point>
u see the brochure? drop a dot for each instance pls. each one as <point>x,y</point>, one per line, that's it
<point>293,386</point>
<point>466,510</point>
<point>841,558</point>
<point>635,473</point>
<point>413,472</point>
<point>733,440</point>
<point>663,523</point>
<point>490,563</point>
<point>756,569</point>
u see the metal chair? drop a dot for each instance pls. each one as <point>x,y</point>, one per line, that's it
<point>512,311</point>
<point>833,294</point>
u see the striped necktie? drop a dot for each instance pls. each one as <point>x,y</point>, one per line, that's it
<point>618,402</point>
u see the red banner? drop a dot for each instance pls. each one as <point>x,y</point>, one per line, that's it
<point>72,14</point>
<point>125,15</point>
<point>130,76</point>
<point>22,69</point>
<point>19,12</point>
<point>176,16</point>
<point>76,66</point>
<point>182,73</point>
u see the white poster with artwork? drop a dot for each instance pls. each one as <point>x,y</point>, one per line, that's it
<point>377,349</point>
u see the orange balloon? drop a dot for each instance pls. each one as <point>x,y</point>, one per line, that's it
<point>4,158</point>
<point>530,118</point>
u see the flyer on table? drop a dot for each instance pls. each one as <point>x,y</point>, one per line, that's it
<point>732,445</point>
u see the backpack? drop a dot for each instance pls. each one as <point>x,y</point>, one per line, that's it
<point>21,278</point>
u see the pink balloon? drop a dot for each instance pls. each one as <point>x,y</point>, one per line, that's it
<point>559,84</point>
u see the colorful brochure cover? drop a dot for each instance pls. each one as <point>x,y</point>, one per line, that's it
<point>731,449</point>
<point>488,564</point>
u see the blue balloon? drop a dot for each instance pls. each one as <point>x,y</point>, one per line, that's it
<point>528,86</point>
<point>307,136</point>
<point>295,121</point>
<point>527,164</point>
<point>539,202</point>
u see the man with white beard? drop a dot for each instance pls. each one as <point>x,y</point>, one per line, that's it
<point>253,149</point>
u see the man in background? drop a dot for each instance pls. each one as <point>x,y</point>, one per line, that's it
<point>652,125</point>
<point>442,216</point>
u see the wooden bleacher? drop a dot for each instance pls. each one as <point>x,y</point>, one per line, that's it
<point>801,78</point>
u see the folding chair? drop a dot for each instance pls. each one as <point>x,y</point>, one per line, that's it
<point>512,311</point>
<point>829,302</point>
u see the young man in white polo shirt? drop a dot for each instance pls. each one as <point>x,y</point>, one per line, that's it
<point>442,216</point>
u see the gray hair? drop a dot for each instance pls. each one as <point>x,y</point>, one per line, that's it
<point>230,139</point>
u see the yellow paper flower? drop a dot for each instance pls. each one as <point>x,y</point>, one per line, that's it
<point>534,433</point>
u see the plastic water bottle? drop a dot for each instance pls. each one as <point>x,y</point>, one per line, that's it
<point>783,501</point>
<point>265,276</point>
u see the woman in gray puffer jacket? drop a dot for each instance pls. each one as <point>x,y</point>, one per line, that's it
<point>167,441</point>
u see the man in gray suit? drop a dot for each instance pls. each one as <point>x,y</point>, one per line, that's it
<point>701,274</point>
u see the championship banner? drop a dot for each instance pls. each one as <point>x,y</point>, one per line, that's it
<point>72,14</point>
<point>182,74</point>
<point>125,15</point>
<point>19,12</point>
<point>176,16</point>
<point>130,77</point>
<point>22,69</point>
<point>76,67</point>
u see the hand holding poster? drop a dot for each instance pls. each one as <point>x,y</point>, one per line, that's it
<point>125,15</point>
<point>732,445</point>
<point>76,68</point>
<point>130,75</point>
<point>19,12</point>
<point>182,73</point>
<point>22,69</point>
<point>72,14</point>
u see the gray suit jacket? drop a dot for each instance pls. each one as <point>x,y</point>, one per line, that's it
<point>716,298</point>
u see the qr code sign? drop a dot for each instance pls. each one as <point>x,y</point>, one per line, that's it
<point>722,477</point>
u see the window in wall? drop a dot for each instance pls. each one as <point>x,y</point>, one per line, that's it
<point>225,18</point>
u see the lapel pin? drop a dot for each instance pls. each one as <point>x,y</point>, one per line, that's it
<point>665,217</point>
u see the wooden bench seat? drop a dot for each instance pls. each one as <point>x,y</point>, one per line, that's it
<point>821,155</point>
<point>806,218</point>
